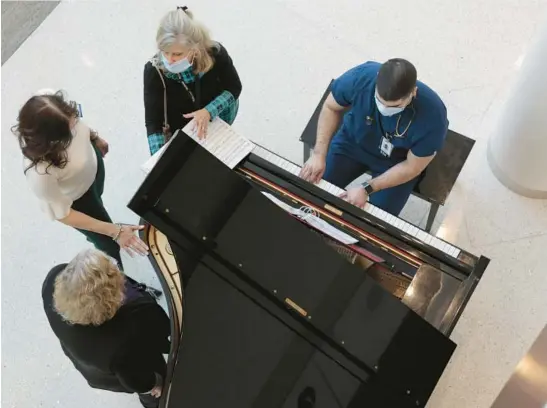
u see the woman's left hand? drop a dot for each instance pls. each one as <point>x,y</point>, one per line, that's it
<point>201,121</point>
<point>102,145</point>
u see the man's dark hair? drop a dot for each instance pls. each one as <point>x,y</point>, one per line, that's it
<point>396,79</point>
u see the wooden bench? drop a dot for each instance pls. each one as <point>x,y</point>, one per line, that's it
<point>436,181</point>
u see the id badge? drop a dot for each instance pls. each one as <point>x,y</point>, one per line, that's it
<point>78,108</point>
<point>386,147</point>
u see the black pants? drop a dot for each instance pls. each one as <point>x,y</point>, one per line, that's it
<point>160,367</point>
<point>91,204</point>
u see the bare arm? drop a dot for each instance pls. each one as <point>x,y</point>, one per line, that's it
<point>398,174</point>
<point>125,235</point>
<point>402,172</point>
<point>329,120</point>
<point>80,220</point>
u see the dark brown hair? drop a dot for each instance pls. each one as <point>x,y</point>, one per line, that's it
<point>396,79</point>
<point>43,129</point>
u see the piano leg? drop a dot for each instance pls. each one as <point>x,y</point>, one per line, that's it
<point>307,151</point>
<point>431,216</point>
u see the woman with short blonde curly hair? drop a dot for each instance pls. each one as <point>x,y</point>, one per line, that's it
<point>108,325</point>
<point>90,290</point>
<point>191,77</point>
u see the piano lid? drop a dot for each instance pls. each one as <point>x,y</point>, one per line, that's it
<point>239,234</point>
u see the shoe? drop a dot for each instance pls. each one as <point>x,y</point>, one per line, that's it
<point>155,293</point>
<point>306,399</point>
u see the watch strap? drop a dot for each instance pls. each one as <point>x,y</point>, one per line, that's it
<point>368,188</point>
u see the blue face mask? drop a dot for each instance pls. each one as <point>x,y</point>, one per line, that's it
<point>387,110</point>
<point>175,67</point>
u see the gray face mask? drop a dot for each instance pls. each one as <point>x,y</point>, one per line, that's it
<point>387,110</point>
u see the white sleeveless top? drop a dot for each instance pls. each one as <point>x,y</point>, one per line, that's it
<point>58,188</point>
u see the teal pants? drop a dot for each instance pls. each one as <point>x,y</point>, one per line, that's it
<point>91,204</point>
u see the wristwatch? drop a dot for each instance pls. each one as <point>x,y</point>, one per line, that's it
<point>368,188</point>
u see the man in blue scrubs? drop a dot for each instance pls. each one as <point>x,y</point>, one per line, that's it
<point>393,125</point>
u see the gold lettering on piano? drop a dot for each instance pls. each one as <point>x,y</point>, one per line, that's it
<point>333,210</point>
<point>296,307</point>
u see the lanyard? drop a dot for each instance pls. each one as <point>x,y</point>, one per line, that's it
<point>188,89</point>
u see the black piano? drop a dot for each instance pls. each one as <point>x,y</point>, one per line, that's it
<point>269,311</point>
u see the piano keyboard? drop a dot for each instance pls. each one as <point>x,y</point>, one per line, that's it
<point>396,222</point>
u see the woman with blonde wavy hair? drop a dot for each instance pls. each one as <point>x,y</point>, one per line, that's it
<point>190,77</point>
<point>108,325</point>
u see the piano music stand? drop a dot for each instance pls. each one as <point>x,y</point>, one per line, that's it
<point>437,180</point>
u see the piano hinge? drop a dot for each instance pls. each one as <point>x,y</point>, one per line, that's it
<point>296,307</point>
<point>334,210</point>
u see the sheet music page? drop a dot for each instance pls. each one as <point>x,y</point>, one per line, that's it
<point>221,141</point>
<point>315,222</point>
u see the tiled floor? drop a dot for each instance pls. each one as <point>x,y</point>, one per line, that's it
<point>286,52</point>
<point>19,20</point>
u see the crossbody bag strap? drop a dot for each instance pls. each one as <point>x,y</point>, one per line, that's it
<point>165,122</point>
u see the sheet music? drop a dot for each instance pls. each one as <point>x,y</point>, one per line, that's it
<point>315,222</point>
<point>286,207</point>
<point>221,141</point>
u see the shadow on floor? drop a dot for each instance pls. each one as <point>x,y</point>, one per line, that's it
<point>19,20</point>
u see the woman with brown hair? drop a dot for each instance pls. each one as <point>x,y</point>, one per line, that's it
<point>63,164</point>
<point>191,77</point>
<point>112,330</point>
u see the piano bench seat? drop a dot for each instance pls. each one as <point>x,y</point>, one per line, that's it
<point>437,180</point>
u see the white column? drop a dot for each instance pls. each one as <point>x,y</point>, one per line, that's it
<point>517,150</point>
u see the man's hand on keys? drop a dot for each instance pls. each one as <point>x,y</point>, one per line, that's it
<point>314,168</point>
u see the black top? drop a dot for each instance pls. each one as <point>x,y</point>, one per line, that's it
<point>222,77</point>
<point>120,355</point>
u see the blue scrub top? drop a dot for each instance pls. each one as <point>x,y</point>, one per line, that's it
<point>363,127</point>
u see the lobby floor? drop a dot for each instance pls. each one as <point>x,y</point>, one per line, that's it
<point>286,53</point>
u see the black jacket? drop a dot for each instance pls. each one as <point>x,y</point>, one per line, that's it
<point>120,355</point>
<point>222,77</point>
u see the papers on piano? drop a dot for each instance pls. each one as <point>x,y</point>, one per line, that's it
<point>221,141</point>
<point>314,221</point>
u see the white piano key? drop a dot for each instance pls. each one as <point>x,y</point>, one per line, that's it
<point>406,227</point>
<point>413,231</point>
<point>437,243</point>
<point>403,226</point>
<point>383,215</point>
<point>422,235</point>
<point>371,209</point>
<point>444,247</point>
<point>390,218</point>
